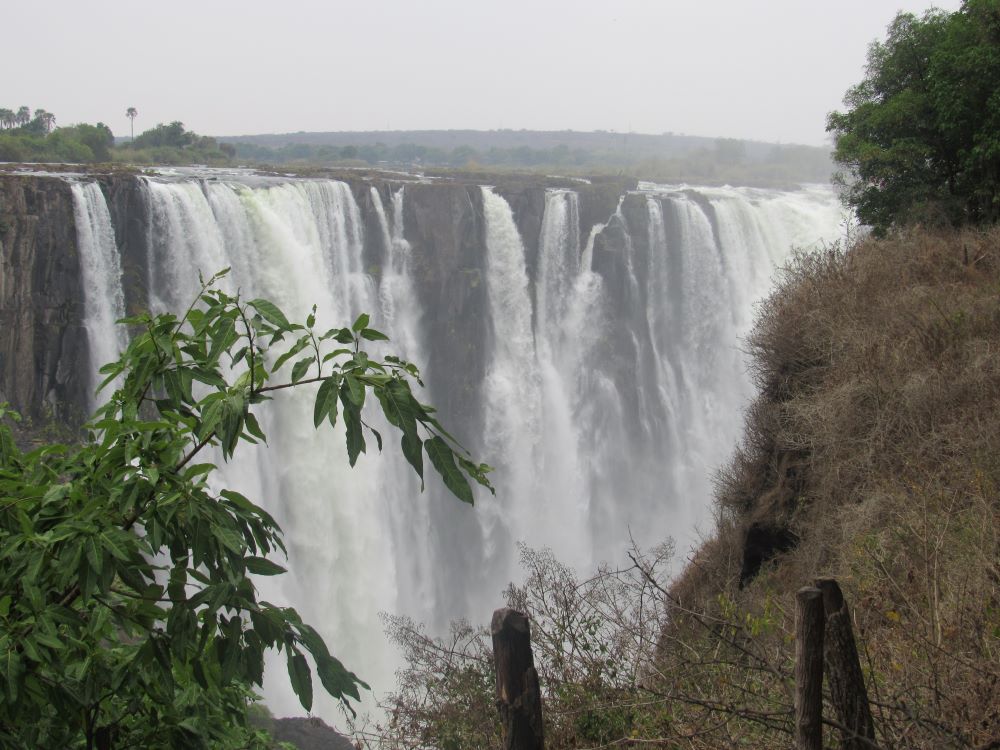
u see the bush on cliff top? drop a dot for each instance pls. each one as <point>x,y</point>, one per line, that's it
<point>920,139</point>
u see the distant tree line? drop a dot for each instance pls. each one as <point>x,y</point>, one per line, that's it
<point>27,137</point>
<point>33,136</point>
<point>173,144</point>
<point>725,160</point>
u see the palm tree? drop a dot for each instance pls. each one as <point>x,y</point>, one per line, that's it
<point>130,113</point>
<point>47,118</point>
<point>7,118</point>
<point>23,116</point>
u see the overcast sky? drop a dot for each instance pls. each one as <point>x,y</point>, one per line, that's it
<point>761,69</point>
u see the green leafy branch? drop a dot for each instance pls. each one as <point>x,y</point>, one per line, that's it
<point>127,614</point>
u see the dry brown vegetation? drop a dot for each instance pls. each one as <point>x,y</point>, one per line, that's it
<point>871,455</point>
<point>875,443</point>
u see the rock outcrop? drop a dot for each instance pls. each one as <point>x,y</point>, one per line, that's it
<point>43,351</point>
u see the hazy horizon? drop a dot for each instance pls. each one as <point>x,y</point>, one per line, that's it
<point>765,72</point>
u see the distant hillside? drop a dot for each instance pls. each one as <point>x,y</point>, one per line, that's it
<point>665,144</point>
<point>666,157</point>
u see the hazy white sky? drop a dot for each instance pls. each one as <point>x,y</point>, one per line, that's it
<point>761,69</point>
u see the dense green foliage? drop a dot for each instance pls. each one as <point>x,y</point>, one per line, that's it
<point>128,617</point>
<point>27,137</point>
<point>24,138</point>
<point>172,144</point>
<point>920,138</point>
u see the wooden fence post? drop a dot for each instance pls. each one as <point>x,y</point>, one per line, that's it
<point>843,671</point>
<point>519,700</point>
<point>809,622</point>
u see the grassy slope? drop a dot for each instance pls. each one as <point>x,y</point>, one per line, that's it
<point>875,443</point>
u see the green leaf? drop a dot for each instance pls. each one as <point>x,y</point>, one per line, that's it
<point>372,335</point>
<point>336,679</point>
<point>326,401</point>
<point>298,671</point>
<point>270,312</point>
<point>231,422</point>
<point>114,546</point>
<point>300,368</point>
<point>412,451</point>
<point>335,353</point>
<point>355,437</point>
<point>354,389</point>
<point>402,411</point>
<point>297,347</point>
<point>50,640</point>
<point>361,323</point>
<point>378,437</point>
<point>344,336</point>
<point>13,668</point>
<point>262,566</point>
<point>477,472</point>
<point>443,459</point>
<point>195,470</point>
<point>253,426</point>
<point>268,623</point>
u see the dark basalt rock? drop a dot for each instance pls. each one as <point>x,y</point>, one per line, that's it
<point>43,352</point>
<point>763,542</point>
<point>445,228</point>
<point>130,217</point>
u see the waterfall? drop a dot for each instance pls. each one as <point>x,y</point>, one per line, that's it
<point>511,391</point>
<point>612,378</point>
<point>397,298</point>
<point>566,302</point>
<point>297,244</point>
<point>101,280</point>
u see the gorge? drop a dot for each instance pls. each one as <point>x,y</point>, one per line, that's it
<point>582,338</point>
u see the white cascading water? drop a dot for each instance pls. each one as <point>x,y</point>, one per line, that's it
<point>606,404</point>
<point>567,317</point>
<point>101,280</point>
<point>512,395</point>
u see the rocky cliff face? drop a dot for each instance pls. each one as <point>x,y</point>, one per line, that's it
<point>42,347</point>
<point>131,221</point>
<point>445,228</point>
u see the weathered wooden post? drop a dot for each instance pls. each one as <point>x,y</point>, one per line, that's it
<point>519,700</point>
<point>809,623</point>
<point>843,671</point>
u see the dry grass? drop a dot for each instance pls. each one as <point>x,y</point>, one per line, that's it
<point>876,440</point>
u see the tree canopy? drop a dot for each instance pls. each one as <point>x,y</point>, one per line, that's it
<point>128,617</point>
<point>920,137</point>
